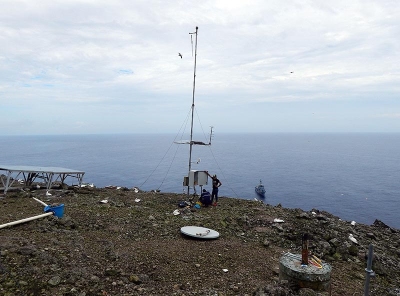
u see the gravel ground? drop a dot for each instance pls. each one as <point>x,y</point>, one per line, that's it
<point>132,245</point>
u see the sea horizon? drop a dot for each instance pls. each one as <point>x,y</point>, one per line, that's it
<point>352,175</point>
<point>220,132</point>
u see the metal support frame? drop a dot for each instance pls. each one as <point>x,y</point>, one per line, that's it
<point>31,173</point>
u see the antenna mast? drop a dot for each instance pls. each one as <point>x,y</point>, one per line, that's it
<point>194,88</point>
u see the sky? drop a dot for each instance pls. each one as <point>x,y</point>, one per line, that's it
<point>101,67</point>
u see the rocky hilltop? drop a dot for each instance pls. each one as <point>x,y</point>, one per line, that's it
<point>122,242</point>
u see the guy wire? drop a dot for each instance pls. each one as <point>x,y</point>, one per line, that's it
<point>182,126</point>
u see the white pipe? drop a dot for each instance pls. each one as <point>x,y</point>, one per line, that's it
<point>39,201</point>
<point>26,220</point>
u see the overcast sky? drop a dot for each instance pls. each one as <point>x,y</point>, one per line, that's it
<point>93,66</point>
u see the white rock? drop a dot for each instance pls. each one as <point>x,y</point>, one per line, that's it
<point>352,238</point>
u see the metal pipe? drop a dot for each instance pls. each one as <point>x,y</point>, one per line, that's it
<point>39,201</point>
<point>7,182</point>
<point>368,270</point>
<point>26,220</point>
<point>304,249</point>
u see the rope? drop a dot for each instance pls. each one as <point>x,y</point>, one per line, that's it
<point>184,124</point>
<point>229,187</point>
<point>169,168</point>
<point>182,128</point>
<point>191,41</point>
<point>201,126</point>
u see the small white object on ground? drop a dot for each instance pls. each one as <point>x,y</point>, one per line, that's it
<point>225,270</point>
<point>276,220</point>
<point>104,201</point>
<point>353,223</point>
<point>137,200</point>
<point>352,238</point>
<point>176,212</point>
<point>48,193</point>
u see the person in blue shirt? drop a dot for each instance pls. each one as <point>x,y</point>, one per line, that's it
<point>205,198</point>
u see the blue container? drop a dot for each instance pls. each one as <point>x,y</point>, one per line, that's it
<point>58,211</point>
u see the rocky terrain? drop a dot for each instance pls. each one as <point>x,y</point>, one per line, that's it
<point>122,242</point>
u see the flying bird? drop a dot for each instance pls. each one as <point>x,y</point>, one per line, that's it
<point>179,54</point>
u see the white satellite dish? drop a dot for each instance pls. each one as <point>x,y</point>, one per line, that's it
<point>200,232</point>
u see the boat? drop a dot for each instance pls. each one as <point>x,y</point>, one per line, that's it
<point>260,189</point>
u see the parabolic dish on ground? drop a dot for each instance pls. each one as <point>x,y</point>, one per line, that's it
<point>200,232</point>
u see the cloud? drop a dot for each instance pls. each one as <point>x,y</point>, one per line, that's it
<point>124,54</point>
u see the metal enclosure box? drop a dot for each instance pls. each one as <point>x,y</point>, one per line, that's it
<point>198,178</point>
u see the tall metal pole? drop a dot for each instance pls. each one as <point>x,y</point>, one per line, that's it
<point>191,127</point>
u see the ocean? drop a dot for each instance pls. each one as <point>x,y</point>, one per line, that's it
<point>355,176</point>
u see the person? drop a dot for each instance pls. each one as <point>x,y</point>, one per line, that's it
<point>205,198</point>
<point>216,184</point>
